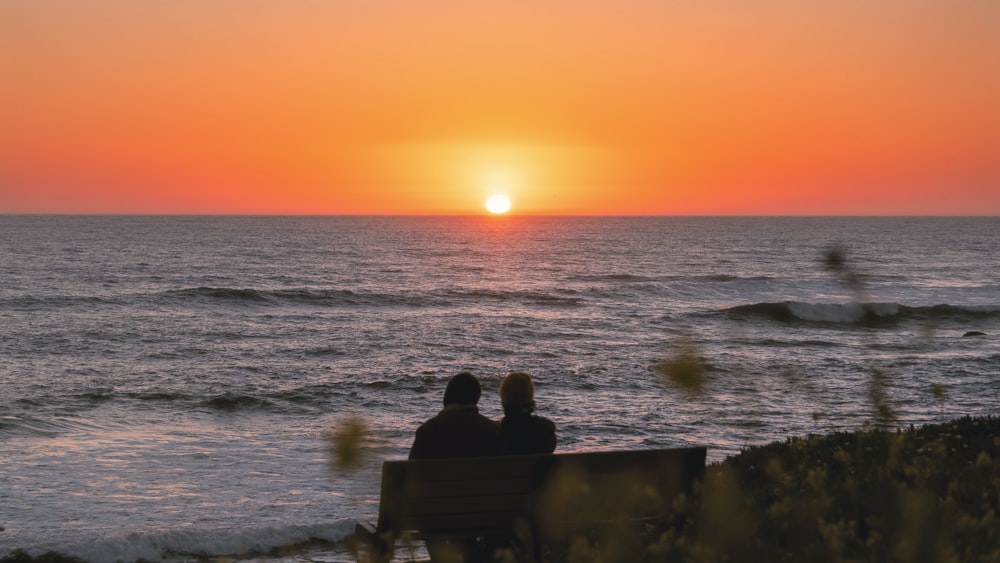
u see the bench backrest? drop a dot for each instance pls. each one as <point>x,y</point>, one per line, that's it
<point>552,493</point>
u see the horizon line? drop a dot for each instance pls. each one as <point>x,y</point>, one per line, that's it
<point>492,216</point>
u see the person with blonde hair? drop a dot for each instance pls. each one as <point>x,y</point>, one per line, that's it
<point>524,431</point>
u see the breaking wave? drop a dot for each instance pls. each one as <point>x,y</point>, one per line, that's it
<point>184,544</point>
<point>852,313</point>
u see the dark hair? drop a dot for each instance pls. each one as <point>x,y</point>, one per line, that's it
<point>463,388</point>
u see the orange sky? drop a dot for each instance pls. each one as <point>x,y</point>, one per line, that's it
<point>569,106</point>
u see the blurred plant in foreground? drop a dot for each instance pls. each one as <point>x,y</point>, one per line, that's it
<point>346,443</point>
<point>885,415</point>
<point>685,369</point>
<point>835,261</point>
<point>922,494</point>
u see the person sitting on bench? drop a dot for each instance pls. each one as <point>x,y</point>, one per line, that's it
<point>458,431</point>
<point>524,431</point>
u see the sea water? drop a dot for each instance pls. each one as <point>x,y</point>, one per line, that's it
<point>168,384</point>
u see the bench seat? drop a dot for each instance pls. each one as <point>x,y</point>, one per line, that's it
<point>540,499</point>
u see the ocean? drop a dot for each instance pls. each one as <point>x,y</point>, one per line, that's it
<point>169,384</point>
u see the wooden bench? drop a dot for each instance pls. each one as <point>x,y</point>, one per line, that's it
<point>537,499</point>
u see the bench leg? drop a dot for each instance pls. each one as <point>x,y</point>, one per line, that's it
<point>509,548</point>
<point>379,547</point>
<point>455,550</point>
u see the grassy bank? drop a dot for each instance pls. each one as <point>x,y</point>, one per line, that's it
<point>922,494</point>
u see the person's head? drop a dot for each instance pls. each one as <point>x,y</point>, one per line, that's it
<point>517,391</point>
<point>462,389</point>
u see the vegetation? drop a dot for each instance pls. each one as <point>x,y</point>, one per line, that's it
<point>922,494</point>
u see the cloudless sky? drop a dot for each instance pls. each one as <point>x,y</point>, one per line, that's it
<point>567,106</point>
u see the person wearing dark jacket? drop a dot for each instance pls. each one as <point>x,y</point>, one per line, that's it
<point>523,430</point>
<point>458,431</point>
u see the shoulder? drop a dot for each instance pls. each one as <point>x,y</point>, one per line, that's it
<point>527,423</point>
<point>542,422</point>
<point>488,423</point>
<point>429,424</point>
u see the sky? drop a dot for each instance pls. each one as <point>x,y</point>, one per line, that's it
<point>582,107</point>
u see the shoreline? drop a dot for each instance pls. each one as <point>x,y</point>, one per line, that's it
<point>920,493</point>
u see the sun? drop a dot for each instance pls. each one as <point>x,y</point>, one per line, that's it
<point>498,204</point>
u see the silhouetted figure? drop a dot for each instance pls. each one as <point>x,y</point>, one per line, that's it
<point>524,431</point>
<point>458,431</point>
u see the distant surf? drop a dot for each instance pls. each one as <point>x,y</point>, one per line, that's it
<point>852,313</point>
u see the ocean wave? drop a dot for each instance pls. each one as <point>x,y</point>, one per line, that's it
<point>278,297</point>
<point>160,396</point>
<point>234,402</point>
<point>610,277</point>
<point>185,544</point>
<point>98,395</point>
<point>251,296</point>
<point>325,351</point>
<point>526,297</point>
<point>218,293</point>
<point>853,313</point>
<point>954,312</point>
<point>34,419</point>
<point>34,303</point>
<point>447,297</point>
<point>32,426</point>
<point>631,278</point>
<point>722,278</point>
<point>281,401</point>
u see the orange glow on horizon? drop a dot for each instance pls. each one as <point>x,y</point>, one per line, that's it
<point>393,107</point>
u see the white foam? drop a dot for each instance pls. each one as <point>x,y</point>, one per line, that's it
<point>203,543</point>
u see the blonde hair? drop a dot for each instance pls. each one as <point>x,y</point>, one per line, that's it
<point>517,389</point>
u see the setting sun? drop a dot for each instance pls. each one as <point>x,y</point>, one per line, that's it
<point>498,204</point>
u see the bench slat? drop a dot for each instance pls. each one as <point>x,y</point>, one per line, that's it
<point>465,488</point>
